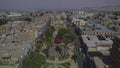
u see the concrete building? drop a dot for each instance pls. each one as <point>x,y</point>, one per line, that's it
<point>99,63</point>
<point>57,22</point>
<point>14,14</point>
<point>79,14</point>
<point>115,52</point>
<point>97,43</point>
<point>79,22</point>
<point>92,28</point>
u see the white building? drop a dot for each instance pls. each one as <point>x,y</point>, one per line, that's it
<point>97,43</point>
<point>14,15</point>
<point>78,22</point>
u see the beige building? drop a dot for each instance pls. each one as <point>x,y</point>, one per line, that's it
<point>57,22</point>
<point>79,22</point>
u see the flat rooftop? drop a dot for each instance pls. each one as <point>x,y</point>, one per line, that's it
<point>99,27</point>
<point>95,40</point>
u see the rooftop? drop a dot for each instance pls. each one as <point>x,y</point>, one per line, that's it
<point>97,27</point>
<point>93,40</point>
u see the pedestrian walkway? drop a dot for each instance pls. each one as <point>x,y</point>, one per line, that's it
<point>73,65</point>
<point>59,61</point>
<point>55,33</point>
<point>71,53</point>
<point>53,66</point>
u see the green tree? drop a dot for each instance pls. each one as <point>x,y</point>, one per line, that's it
<point>3,21</point>
<point>50,41</point>
<point>66,34</point>
<point>63,31</point>
<point>34,61</point>
<point>50,31</point>
<point>68,38</point>
<point>39,42</point>
<point>38,45</point>
<point>28,19</point>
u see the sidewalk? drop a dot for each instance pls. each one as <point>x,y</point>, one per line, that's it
<point>71,52</point>
<point>55,33</point>
<point>73,65</point>
<point>59,62</point>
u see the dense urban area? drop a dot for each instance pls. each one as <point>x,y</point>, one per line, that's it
<point>60,39</point>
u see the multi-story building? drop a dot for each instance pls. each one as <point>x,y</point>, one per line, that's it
<point>97,43</point>
<point>79,14</point>
<point>115,52</point>
<point>57,22</point>
<point>92,28</point>
<point>14,14</point>
<point>79,22</point>
<point>96,29</point>
<point>95,25</point>
<point>99,63</point>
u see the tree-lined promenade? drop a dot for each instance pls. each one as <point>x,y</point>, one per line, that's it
<point>51,47</point>
<point>56,49</point>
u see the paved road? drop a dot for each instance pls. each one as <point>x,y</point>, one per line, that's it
<point>77,46</point>
<point>59,62</point>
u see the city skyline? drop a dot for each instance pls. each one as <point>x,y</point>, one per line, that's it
<point>55,4</point>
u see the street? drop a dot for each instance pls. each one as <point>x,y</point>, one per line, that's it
<point>79,55</point>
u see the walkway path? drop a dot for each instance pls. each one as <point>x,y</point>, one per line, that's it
<point>56,58</point>
<point>55,33</point>
<point>71,52</point>
<point>52,66</point>
<point>59,62</point>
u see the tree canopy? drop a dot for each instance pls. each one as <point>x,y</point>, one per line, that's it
<point>28,19</point>
<point>3,21</point>
<point>66,34</point>
<point>33,61</point>
<point>63,31</point>
<point>50,31</point>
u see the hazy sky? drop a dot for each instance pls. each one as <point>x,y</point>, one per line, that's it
<point>54,4</point>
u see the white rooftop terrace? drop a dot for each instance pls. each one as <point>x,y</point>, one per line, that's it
<point>93,41</point>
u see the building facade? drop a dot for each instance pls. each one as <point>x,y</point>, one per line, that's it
<point>115,52</point>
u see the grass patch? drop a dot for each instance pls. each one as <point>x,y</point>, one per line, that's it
<point>66,65</point>
<point>64,58</point>
<point>34,61</point>
<point>51,58</point>
<point>45,65</point>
